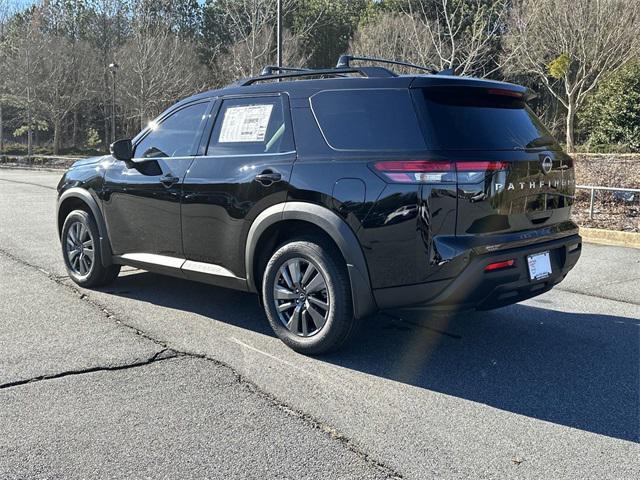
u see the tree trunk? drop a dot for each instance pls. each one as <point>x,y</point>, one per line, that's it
<point>571,117</point>
<point>74,131</point>
<point>1,132</point>
<point>106,126</point>
<point>56,137</point>
<point>30,142</point>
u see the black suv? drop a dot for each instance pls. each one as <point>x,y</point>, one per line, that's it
<point>333,193</point>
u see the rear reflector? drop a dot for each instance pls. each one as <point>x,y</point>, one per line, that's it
<point>433,171</point>
<point>499,265</point>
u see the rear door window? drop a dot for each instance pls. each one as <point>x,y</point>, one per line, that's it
<point>251,126</point>
<point>476,119</point>
<point>368,119</point>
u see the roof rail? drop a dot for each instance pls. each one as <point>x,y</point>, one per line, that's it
<point>345,62</point>
<point>372,72</point>
<point>269,69</point>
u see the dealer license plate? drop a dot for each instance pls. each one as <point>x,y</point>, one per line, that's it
<point>539,265</point>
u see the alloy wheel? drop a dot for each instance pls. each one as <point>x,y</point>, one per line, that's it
<point>80,248</point>
<point>301,297</point>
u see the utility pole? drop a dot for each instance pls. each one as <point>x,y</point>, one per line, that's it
<point>279,33</point>
<point>112,68</point>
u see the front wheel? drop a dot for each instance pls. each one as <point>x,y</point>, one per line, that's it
<point>81,251</point>
<point>307,297</point>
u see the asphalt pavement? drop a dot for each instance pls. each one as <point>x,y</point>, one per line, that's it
<point>156,377</point>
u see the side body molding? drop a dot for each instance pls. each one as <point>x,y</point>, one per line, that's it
<point>363,301</point>
<point>86,197</point>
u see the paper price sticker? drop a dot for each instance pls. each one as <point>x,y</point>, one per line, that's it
<point>245,123</point>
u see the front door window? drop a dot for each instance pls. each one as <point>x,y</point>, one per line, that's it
<point>175,136</point>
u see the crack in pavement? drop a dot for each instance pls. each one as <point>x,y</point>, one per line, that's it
<point>170,353</point>
<point>164,354</point>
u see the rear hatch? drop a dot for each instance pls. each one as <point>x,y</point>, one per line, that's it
<point>511,174</point>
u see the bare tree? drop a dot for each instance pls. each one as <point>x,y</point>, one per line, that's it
<point>462,33</point>
<point>22,54</point>
<point>67,74</point>
<point>394,35</point>
<point>251,28</point>
<point>5,14</point>
<point>157,68</point>
<point>244,59</point>
<point>109,29</point>
<point>445,34</point>
<point>570,46</point>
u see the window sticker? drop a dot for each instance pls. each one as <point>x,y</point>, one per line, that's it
<point>247,123</point>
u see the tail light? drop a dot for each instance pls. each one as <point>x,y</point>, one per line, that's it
<point>416,171</point>
<point>499,265</point>
<point>434,171</point>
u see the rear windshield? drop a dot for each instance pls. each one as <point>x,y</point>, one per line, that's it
<point>368,119</point>
<point>474,119</point>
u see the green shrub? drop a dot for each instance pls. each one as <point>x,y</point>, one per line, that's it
<point>93,139</point>
<point>604,148</point>
<point>612,115</point>
<point>21,149</point>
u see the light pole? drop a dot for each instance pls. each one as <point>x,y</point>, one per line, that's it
<point>112,68</point>
<point>279,33</point>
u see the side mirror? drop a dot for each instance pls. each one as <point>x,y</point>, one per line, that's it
<point>122,150</point>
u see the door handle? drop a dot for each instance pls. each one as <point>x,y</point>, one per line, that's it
<point>268,177</point>
<point>169,180</point>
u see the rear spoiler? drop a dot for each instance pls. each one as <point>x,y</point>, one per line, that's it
<point>469,82</point>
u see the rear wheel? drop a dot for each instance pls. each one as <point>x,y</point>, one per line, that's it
<point>81,251</point>
<point>307,297</point>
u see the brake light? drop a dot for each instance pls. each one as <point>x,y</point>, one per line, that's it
<point>504,92</point>
<point>433,171</point>
<point>499,265</point>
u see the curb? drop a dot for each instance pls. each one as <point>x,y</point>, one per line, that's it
<point>610,237</point>
<point>15,166</point>
<point>37,162</point>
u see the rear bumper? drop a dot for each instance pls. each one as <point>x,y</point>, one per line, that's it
<point>474,288</point>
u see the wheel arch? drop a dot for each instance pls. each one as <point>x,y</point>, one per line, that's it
<point>333,227</point>
<point>80,199</point>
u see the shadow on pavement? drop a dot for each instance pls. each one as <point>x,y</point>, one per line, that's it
<point>236,308</point>
<point>578,370</point>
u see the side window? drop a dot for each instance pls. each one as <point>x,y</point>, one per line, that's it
<point>175,136</point>
<point>368,119</point>
<point>250,126</point>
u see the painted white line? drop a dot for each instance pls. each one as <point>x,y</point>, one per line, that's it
<point>245,345</point>
<point>277,359</point>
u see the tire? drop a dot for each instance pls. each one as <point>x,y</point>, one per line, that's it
<point>81,251</point>
<point>315,314</point>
